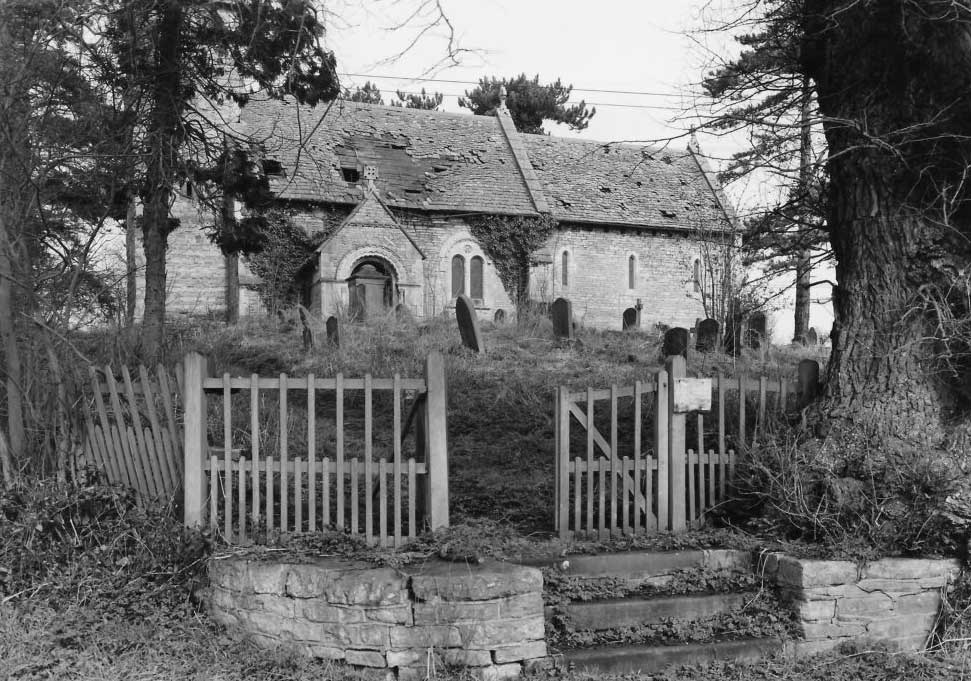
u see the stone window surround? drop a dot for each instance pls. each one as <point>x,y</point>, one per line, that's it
<point>467,248</point>
<point>632,273</point>
<point>565,257</point>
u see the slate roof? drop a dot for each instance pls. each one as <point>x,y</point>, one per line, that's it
<point>459,162</point>
<point>623,184</point>
<point>425,159</point>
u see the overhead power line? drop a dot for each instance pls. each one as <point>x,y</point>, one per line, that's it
<point>418,79</point>
<point>658,107</point>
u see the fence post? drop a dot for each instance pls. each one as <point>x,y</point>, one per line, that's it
<point>562,428</point>
<point>675,366</point>
<point>661,408</point>
<point>194,438</point>
<point>436,443</point>
<point>808,381</point>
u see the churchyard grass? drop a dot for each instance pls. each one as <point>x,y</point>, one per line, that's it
<point>501,449</point>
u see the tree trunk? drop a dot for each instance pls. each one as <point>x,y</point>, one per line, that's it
<point>804,263</point>
<point>880,371</point>
<point>13,446</point>
<point>162,163</point>
<point>891,80</point>
<point>131,264</point>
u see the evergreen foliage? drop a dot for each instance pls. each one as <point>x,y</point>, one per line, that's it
<point>529,103</point>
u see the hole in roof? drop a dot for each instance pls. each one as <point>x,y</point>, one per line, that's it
<point>640,184</point>
<point>271,166</point>
<point>669,213</point>
<point>605,190</point>
<point>351,174</point>
<point>412,191</point>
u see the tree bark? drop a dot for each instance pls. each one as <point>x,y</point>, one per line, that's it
<point>131,265</point>
<point>880,369</point>
<point>804,263</point>
<point>13,446</point>
<point>887,75</point>
<point>167,107</point>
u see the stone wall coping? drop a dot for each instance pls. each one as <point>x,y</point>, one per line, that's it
<point>790,571</point>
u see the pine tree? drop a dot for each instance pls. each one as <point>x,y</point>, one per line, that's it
<point>529,103</point>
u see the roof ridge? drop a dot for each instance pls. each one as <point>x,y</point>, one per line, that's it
<point>580,140</point>
<point>526,170</point>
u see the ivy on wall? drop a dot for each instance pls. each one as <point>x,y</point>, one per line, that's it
<point>285,250</point>
<point>510,241</point>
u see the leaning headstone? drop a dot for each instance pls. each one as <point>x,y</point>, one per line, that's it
<point>333,331</point>
<point>308,329</point>
<point>468,324</point>
<point>675,342</point>
<point>812,337</point>
<point>755,336</point>
<point>630,319</point>
<point>499,317</point>
<point>562,312</point>
<point>707,335</point>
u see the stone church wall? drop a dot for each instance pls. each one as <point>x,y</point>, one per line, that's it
<point>598,283</point>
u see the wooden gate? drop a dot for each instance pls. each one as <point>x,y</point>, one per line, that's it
<point>635,460</point>
<point>285,454</point>
<point>132,431</point>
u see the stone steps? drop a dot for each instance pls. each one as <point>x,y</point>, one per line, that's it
<point>656,569</point>
<point>631,612</point>
<point>654,658</point>
<point>643,566</point>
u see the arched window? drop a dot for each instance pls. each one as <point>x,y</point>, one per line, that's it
<point>697,274</point>
<point>565,277</point>
<point>632,272</point>
<point>458,275</point>
<point>475,278</point>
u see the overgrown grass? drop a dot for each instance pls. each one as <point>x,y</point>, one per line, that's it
<point>94,588</point>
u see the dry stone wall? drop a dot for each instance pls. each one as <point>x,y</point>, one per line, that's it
<point>487,618</point>
<point>894,600</point>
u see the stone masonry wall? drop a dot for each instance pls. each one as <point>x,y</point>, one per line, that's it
<point>488,618</point>
<point>895,600</point>
<point>598,283</point>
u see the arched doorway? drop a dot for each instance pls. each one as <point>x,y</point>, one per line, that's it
<point>373,288</point>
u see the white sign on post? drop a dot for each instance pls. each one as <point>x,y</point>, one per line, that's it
<point>692,394</point>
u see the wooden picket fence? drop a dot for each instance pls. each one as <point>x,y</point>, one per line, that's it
<point>293,481</point>
<point>657,468</point>
<point>132,431</point>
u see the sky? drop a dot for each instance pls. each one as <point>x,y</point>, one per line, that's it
<point>640,62</point>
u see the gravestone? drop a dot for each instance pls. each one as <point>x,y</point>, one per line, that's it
<point>333,331</point>
<point>675,342</point>
<point>402,314</point>
<point>755,335</point>
<point>308,330</point>
<point>562,312</point>
<point>499,317</point>
<point>707,335</point>
<point>812,337</point>
<point>468,324</point>
<point>808,381</point>
<point>630,319</point>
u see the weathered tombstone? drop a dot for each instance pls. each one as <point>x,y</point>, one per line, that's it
<point>630,319</point>
<point>808,381</point>
<point>562,312</point>
<point>675,342</point>
<point>333,331</point>
<point>755,335</point>
<point>707,335</point>
<point>812,337</point>
<point>402,314</point>
<point>308,330</point>
<point>468,324</point>
<point>499,317</point>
